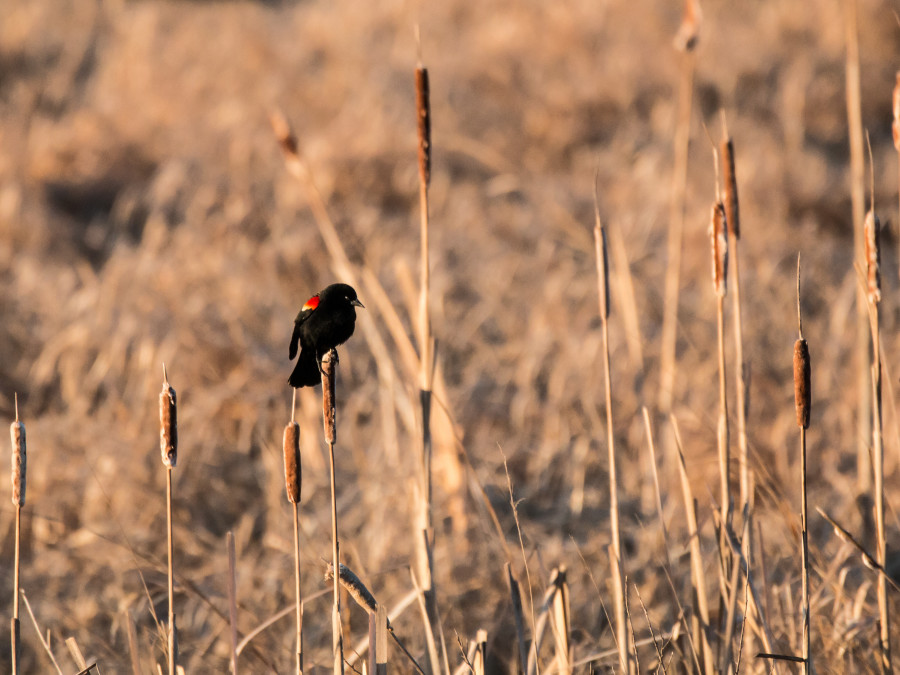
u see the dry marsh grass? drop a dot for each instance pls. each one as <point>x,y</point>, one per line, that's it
<point>146,216</point>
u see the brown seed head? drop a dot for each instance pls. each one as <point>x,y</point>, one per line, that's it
<point>873,257</point>
<point>293,477</point>
<point>689,30</point>
<point>328,372</point>
<point>718,236</point>
<point>423,114</point>
<point>732,216</point>
<point>168,425</point>
<point>802,385</point>
<point>17,435</point>
<point>283,133</point>
<point>896,123</point>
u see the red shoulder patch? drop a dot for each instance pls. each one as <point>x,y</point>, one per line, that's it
<point>311,304</point>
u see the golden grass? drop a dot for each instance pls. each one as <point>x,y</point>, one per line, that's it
<point>146,216</point>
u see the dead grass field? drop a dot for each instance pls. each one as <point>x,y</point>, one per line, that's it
<point>146,217</point>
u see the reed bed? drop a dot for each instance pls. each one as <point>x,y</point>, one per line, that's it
<point>134,231</point>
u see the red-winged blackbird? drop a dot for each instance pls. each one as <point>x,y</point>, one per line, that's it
<point>325,321</point>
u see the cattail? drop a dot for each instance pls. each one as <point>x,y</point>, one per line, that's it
<point>17,435</point>
<point>718,236</point>
<point>328,373</point>
<point>732,216</point>
<point>168,424</point>
<point>689,31</point>
<point>896,123</point>
<point>423,110</point>
<point>802,386</point>
<point>873,257</point>
<point>602,265</point>
<point>292,474</point>
<point>283,132</point>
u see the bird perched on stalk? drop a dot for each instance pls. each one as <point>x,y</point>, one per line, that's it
<point>324,322</point>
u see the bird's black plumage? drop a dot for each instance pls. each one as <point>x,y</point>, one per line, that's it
<point>324,322</point>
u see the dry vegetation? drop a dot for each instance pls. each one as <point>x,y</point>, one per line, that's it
<point>146,217</point>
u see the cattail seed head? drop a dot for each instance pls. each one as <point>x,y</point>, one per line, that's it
<point>423,115</point>
<point>292,474</point>
<point>602,268</point>
<point>17,435</point>
<point>732,215</point>
<point>328,381</point>
<point>718,236</point>
<point>282,129</point>
<point>873,257</point>
<point>689,30</point>
<point>802,384</point>
<point>896,123</point>
<point>168,425</point>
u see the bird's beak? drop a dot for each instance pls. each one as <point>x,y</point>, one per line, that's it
<point>357,303</point>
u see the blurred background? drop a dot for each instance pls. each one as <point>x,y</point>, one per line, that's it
<point>146,217</point>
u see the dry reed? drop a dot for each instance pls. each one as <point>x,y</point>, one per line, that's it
<point>602,262</point>
<point>686,42</point>
<point>293,482</point>
<point>328,364</point>
<point>803,405</point>
<point>19,483</point>
<point>168,445</point>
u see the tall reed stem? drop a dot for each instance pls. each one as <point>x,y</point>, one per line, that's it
<point>625,662</point>
<point>329,362</point>
<point>803,404</point>
<point>168,445</point>
<point>19,463</point>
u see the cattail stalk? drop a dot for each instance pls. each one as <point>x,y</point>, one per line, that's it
<point>686,42</point>
<point>803,404</point>
<point>293,481</point>
<point>424,524</point>
<point>895,126</point>
<point>232,600</point>
<point>625,663</point>
<point>872,235</point>
<point>168,445</point>
<point>719,244</point>
<point>733,219</point>
<point>19,461</point>
<point>329,363</point>
<point>857,196</point>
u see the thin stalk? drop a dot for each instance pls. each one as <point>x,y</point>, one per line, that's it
<point>857,196</point>
<point>19,484</point>
<point>878,461</point>
<point>299,600</point>
<point>15,626</point>
<point>329,363</point>
<point>625,661</point>
<point>803,404</point>
<point>676,233</point>
<point>172,641</point>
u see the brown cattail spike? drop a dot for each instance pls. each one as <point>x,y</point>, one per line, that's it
<point>17,436</point>
<point>168,424</point>
<point>283,133</point>
<point>689,30</point>
<point>873,257</point>
<point>718,236</point>
<point>896,123</point>
<point>732,215</point>
<point>292,474</point>
<point>802,384</point>
<point>423,114</point>
<point>329,361</point>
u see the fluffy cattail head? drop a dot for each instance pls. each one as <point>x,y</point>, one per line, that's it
<point>732,215</point>
<point>896,123</point>
<point>423,115</point>
<point>873,257</point>
<point>168,424</point>
<point>328,371</point>
<point>292,474</point>
<point>718,236</point>
<point>802,385</point>
<point>17,435</point>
